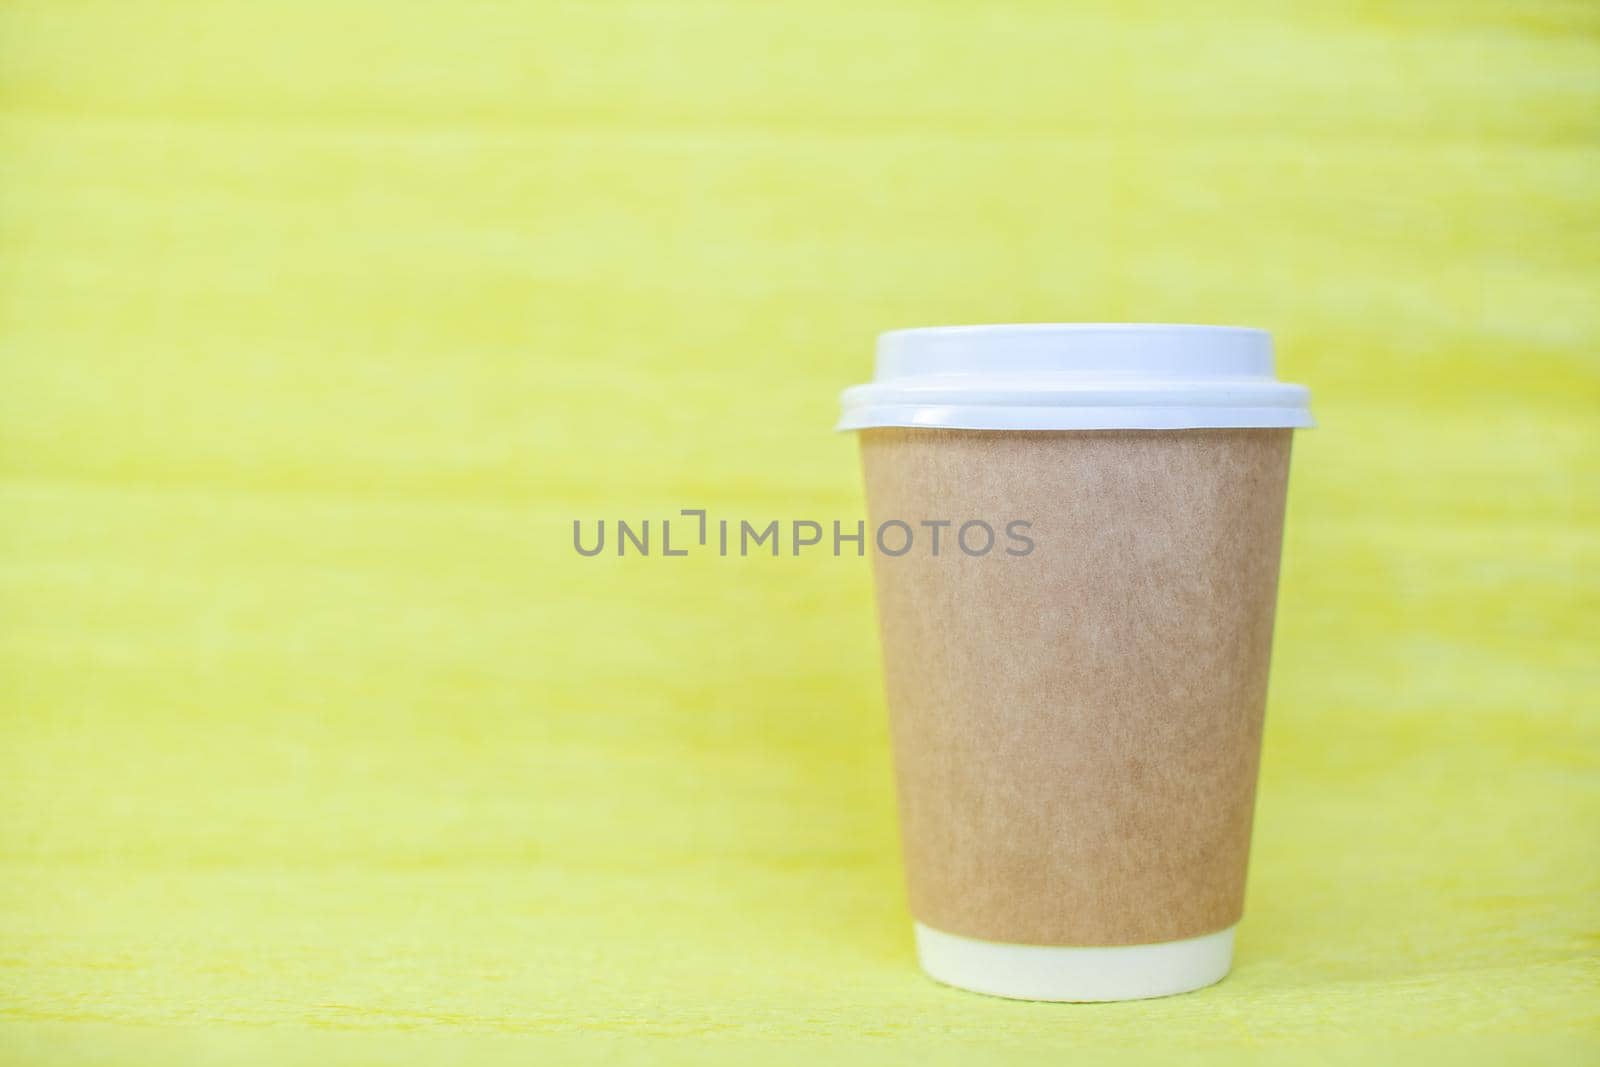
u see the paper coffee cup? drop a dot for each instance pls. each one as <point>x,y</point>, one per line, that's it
<point>1076,724</point>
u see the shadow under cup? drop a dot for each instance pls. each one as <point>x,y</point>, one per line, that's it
<point>1077,708</point>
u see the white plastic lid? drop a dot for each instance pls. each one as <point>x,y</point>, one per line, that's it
<point>1076,376</point>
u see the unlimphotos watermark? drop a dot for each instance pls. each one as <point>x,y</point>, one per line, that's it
<point>792,537</point>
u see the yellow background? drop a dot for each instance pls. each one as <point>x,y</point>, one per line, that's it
<point>321,322</point>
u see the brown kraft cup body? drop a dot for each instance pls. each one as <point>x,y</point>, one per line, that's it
<point>1077,729</point>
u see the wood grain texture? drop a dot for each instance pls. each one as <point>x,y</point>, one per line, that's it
<point>321,322</point>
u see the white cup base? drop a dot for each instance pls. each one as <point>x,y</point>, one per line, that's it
<point>1047,972</point>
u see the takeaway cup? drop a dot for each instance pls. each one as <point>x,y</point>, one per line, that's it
<point>1076,710</point>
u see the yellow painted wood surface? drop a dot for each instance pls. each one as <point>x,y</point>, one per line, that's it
<point>320,323</point>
